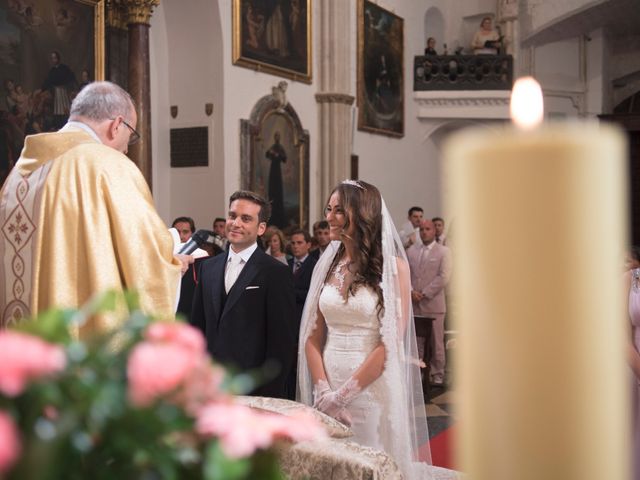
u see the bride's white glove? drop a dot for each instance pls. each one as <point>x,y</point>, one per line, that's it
<point>334,403</point>
<point>320,389</point>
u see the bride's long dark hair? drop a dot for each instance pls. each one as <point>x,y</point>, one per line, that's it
<point>362,205</point>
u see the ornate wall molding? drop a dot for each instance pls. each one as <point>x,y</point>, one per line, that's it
<point>577,98</point>
<point>335,98</point>
<point>466,104</point>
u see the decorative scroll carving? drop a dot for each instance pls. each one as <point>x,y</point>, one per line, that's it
<point>335,98</point>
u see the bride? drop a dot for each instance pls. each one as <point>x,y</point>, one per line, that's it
<point>357,357</point>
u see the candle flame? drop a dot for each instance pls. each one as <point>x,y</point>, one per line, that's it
<point>527,105</point>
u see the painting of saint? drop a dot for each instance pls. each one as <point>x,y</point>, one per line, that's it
<point>44,47</point>
<point>380,70</point>
<point>274,36</point>
<point>277,170</point>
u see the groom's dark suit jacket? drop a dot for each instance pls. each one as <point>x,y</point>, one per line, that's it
<point>254,322</point>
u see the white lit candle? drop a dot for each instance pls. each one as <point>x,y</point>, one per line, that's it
<point>540,224</point>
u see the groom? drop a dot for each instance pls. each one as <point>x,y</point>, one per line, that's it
<point>244,302</point>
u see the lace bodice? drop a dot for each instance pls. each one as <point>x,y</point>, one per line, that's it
<point>357,315</point>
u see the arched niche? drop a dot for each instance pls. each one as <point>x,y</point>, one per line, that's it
<point>274,156</point>
<point>434,27</point>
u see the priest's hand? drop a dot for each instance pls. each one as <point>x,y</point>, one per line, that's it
<point>185,261</point>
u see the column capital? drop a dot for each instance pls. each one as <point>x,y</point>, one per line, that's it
<point>116,14</point>
<point>139,11</point>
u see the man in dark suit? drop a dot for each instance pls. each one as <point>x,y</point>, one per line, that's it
<point>321,234</point>
<point>301,265</point>
<point>244,302</point>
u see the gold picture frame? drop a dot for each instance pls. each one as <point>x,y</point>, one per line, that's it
<point>380,83</point>
<point>274,37</point>
<point>74,29</point>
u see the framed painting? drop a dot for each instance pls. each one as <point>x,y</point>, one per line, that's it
<point>380,82</point>
<point>273,36</point>
<point>274,152</point>
<point>49,49</point>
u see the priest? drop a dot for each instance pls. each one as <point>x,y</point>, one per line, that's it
<point>78,219</point>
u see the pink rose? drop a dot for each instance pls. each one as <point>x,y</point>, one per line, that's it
<point>173,363</point>
<point>23,358</point>
<point>298,427</point>
<point>176,332</point>
<point>155,370</point>
<point>241,430</point>
<point>202,386</point>
<point>9,442</point>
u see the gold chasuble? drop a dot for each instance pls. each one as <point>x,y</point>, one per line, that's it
<point>78,219</point>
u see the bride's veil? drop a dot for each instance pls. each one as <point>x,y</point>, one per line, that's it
<point>405,433</point>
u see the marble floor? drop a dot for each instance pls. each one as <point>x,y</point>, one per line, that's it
<point>440,403</point>
<point>440,409</point>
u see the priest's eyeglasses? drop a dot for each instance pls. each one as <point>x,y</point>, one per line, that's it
<point>135,136</point>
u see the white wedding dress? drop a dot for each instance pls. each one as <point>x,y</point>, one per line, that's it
<point>389,413</point>
<point>353,331</point>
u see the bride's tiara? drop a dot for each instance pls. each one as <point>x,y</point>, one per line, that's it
<point>353,183</point>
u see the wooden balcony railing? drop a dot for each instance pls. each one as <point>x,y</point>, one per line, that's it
<point>463,72</point>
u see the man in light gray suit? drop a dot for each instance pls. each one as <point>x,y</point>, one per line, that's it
<point>430,265</point>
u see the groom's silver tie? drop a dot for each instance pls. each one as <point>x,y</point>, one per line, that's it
<point>234,267</point>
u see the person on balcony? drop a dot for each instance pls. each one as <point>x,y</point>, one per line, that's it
<point>430,49</point>
<point>486,40</point>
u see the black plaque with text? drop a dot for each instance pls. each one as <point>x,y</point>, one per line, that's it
<point>190,147</point>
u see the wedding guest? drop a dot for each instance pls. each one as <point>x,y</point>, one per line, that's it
<point>438,223</point>
<point>486,40</point>
<point>301,264</point>
<point>322,238</point>
<point>357,358</point>
<point>185,227</point>
<point>430,49</point>
<point>277,244</point>
<point>430,265</point>
<point>410,230</point>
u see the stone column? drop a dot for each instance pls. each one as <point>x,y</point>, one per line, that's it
<point>117,43</point>
<point>334,99</point>
<point>508,18</point>
<point>138,16</point>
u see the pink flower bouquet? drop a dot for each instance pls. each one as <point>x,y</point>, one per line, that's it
<point>154,407</point>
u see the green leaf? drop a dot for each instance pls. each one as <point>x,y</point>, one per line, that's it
<point>218,467</point>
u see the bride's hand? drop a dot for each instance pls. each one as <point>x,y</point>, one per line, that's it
<point>334,402</point>
<point>320,389</point>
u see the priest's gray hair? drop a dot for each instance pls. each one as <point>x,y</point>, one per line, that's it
<point>100,101</point>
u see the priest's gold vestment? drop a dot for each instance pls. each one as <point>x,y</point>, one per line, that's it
<point>78,219</point>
